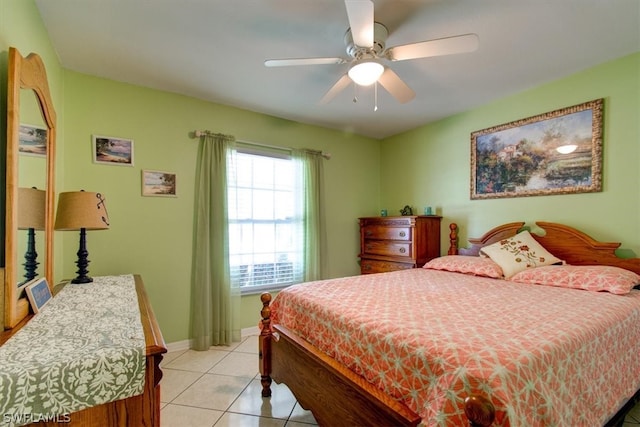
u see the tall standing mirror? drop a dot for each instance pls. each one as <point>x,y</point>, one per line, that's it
<point>26,228</point>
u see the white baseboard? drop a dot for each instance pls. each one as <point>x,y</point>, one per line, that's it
<point>186,344</point>
<point>178,346</point>
<point>247,332</point>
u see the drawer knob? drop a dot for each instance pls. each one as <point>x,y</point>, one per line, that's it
<point>368,233</point>
<point>368,247</point>
<point>402,250</point>
<point>402,234</point>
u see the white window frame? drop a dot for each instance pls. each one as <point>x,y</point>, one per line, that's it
<point>271,266</point>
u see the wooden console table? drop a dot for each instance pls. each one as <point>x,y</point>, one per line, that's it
<point>141,410</point>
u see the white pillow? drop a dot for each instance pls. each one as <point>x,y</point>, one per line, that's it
<point>518,253</point>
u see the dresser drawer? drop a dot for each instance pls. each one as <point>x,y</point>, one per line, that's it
<point>368,266</point>
<point>387,248</point>
<point>386,233</point>
<point>398,242</point>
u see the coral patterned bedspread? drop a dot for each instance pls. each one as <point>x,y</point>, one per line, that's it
<point>545,356</point>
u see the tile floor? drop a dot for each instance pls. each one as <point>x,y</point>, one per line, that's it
<point>221,388</point>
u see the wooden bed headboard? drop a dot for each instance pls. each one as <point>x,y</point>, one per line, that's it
<point>564,242</point>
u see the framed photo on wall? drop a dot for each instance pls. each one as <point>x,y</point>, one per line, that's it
<point>33,140</point>
<point>158,183</point>
<point>108,150</point>
<point>559,152</point>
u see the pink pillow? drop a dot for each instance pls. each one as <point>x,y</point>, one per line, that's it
<point>478,266</point>
<point>588,277</point>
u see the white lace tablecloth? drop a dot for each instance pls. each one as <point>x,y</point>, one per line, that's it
<point>85,348</point>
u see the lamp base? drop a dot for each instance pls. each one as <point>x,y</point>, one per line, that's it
<point>30,264</point>
<point>83,261</point>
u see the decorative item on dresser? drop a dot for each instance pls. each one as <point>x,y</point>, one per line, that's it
<point>398,243</point>
<point>82,210</point>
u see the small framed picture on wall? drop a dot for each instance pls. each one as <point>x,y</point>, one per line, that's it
<point>158,183</point>
<point>108,150</point>
<point>33,140</point>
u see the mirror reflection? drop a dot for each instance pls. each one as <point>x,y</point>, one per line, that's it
<point>32,182</point>
<point>31,205</point>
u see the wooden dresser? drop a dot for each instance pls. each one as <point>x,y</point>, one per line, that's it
<point>140,410</point>
<point>398,242</point>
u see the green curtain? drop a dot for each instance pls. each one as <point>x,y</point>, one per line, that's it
<point>215,303</point>
<point>311,170</point>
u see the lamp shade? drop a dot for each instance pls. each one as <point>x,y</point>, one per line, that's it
<point>31,208</point>
<point>366,72</point>
<point>81,209</point>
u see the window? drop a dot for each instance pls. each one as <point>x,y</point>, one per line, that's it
<point>265,231</point>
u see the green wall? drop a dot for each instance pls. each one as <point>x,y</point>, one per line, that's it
<point>152,235</point>
<point>434,160</point>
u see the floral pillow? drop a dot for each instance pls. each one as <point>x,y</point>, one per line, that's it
<point>477,266</point>
<point>518,253</point>
<point>589,277</point>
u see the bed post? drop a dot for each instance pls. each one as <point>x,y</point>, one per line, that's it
<point>264,345</point>
<point>453,239</point>
<point>479,411</point>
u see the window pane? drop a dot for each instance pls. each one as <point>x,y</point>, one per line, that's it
<point>265,243</point>
<point>263,204</point>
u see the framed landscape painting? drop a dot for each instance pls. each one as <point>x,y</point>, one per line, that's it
<point>108,150</point>
<point>33,140</point>
<point>559,152</point>
<point>158,183</point>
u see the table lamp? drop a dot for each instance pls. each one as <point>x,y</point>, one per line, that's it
<point>31,203</point>
<point>82,210</point>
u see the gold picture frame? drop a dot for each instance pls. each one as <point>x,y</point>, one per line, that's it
<point>559,152</point>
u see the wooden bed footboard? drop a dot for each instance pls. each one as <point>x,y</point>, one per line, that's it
<point>334,394</point>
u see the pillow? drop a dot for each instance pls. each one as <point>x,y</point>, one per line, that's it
<point>517,253</point>
<point>589,277</point>
<point>475,265</point>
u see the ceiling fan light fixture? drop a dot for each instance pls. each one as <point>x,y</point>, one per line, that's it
<point>366,73</point>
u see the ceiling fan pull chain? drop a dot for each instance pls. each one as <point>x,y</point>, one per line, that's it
<point>355,92</point>
<point>375,97</point>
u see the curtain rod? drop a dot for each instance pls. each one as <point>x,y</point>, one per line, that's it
<point>199,133</point>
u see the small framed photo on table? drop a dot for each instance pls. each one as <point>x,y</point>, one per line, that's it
<point>38,293</point>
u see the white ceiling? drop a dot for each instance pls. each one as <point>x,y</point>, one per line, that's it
<point>215,50</point>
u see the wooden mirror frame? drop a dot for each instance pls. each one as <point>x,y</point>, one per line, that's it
<point>25,73</point>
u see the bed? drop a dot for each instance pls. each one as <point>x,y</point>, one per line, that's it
<point>455,344</point>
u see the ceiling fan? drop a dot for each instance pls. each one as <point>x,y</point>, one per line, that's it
<point>368,55</point>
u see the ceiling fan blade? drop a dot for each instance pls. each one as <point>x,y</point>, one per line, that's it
<point>396,87</point>
<point>446,46</point>
<point>360,13</point>
<point>302,61</point>
<point>342,83</point>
